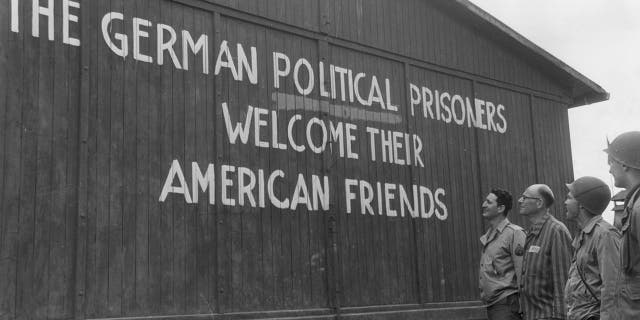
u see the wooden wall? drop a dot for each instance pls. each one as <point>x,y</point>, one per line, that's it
<point>88,138</point>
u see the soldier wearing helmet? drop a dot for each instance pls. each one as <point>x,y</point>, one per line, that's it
<point>624,166</point>
<point>589,292</point>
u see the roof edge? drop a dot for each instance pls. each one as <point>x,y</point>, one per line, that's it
<point>596,94</point>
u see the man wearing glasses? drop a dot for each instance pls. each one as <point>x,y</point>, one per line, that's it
<point>624,166</point>
<point>547,257</point>
<point>501,261</point>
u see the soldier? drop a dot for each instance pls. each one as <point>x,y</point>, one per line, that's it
<point>624,166</point>
<point>501,261</point>
<point>547,257</point>
<point>589,292</point>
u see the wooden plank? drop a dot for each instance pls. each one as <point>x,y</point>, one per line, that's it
<point>126,172</point>
<point>88,304</point>
<point>166,230</point>
<point>204,154</point>
<point>208,298</point>
<point>43,187</point>
<point>296,160</point>
<point>189,213</point>
<point>143,198</point>
<point>26,262</point>
<point>72,168</point>
<point>12,96</point>
<point>248,95</point>
<point>178,140</point>
<point>234,215</point>
<point>158,167</point>
<point>83,106</point>
<point>268,249</point>
<point>102,176</point>
<point>220,258</point>
<point>116,176</point>
<point>61,223</point>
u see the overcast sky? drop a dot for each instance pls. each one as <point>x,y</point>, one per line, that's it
<point>601,40</point>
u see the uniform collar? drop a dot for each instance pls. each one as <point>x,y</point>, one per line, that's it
<point>591,224</point>
<point>536,227</point>
<point>630,194</point>
<point>503,224</point>
<point>492,233</point>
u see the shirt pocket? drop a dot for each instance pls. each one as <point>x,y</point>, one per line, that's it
<point>488,266</point>
<point>633,288</point>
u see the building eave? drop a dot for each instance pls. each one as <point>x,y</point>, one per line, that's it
<point>583,91</point>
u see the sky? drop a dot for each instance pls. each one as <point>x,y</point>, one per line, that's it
<point>601,40</point>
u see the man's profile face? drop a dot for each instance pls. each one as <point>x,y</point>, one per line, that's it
<point>490,207</point>
<point>616,170</point>
<point>572,206</point>
<point>529,201</point>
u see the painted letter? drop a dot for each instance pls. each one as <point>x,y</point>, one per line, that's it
<point>66,17</point>
<point>275,201</point>
<point>123,50</point>
<point>137,34</point>
<point>243,63</point>
<point>35,21</point>
<point>296,78</point>
<point>168,46</point>
<point>350,195</point>
<point>201,44</point>
<point>204,181</point>
<point>168,188</point>
<point>15,23</point>
<point>277,72</point>
<point>233,133</point>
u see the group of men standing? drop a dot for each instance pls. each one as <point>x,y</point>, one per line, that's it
<point>542,273</point>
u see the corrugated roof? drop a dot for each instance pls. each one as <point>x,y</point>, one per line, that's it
<point>583,90</point>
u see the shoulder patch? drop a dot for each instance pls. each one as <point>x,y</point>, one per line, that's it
<point>519,250</point>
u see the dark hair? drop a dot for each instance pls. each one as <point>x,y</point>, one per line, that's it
<point>546,194</point>
<point>504,198</point>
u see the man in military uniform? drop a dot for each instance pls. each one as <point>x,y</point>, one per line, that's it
<point>589,293</point>
<point>624,166</point>
<point>501,261</point>
<point>547,257</point>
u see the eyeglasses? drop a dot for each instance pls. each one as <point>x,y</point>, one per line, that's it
<point>523,197</point>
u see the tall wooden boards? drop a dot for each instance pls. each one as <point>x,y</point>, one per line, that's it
<point>259,159</point>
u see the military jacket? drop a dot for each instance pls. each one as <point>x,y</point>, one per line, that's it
<point>501,261</point>
<point>595,260</point>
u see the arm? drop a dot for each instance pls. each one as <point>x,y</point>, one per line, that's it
<point>560,263</point>
<point>519,238</point>
<point>608,256</point>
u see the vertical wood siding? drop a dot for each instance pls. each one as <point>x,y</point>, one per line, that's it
<point>87,138</point>
<point>38,157</point>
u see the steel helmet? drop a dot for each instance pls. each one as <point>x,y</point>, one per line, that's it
<point>592,193</point>
<point>625,149</point>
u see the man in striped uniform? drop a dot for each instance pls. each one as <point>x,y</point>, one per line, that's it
<point>547,257</point>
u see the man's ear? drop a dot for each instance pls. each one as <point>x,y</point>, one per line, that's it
<point>501,208</point>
